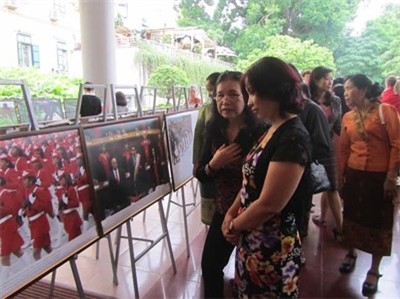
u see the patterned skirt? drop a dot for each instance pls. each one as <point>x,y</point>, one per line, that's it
<point>367,215</point>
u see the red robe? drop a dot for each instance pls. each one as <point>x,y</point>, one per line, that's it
<point>72,220</point>
<point>84,191</point>
<point>10,238</point>
<point>36,213</point>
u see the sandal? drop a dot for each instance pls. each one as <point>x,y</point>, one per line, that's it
<point>349,263</point>
<point>368,288</point>
<point>318,221</point>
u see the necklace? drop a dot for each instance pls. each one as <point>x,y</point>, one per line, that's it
<point>361,116</point>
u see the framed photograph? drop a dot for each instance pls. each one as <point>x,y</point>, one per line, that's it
<point>128,163</point>
<point>180,131</point>
<point>47,211</point>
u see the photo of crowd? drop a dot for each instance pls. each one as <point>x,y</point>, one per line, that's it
<point>127,161</point>
<point>180,131</point>
<point>45,197</point>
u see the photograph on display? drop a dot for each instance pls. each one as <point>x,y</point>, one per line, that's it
<point>128,163</point>
<point>46,204</point>
<point>180,131</point>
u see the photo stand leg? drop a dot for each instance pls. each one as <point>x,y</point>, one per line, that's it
<point>113,264</point>
<point>186,213</point>
<point>154,242</point>
<point>77,279</point>
<point>75,274</point>
<point>52,283</point>
<point>195,189</point>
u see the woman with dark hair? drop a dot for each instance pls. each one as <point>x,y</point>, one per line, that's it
<point>370,159</point>
<point>276,174</point>
<point>321,81</point>
<point>231,132</point>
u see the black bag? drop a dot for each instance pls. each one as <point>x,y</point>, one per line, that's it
<point>319,178</point>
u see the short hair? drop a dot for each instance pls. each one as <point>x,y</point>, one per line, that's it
<point>361,81</point>
<point>272,78</point>
<point>391,80</point>
<point>120,98</point>
<point>305,72</point>
<point>88,88</point>
<point>212,78</point>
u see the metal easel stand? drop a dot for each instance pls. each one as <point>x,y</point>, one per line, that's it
<point>186,213</point>
<point>75,273</point>
<point>152,243</point>
<point>113,262</point>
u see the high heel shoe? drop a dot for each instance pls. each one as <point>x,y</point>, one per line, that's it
<point>349,263</point>
<point>337,235</point>
<point>368,288</point>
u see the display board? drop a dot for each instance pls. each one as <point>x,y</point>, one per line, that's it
<point>180,131</point>
<point>128,165</point>
<point>47,209</point>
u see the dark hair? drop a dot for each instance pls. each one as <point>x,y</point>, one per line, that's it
<point>361,81</point>
<point>120,98</point>
<point>213,77</point>
<point>88,88</point>
<point>274,79</point>
<point>67,178</point>
<point>338,80</point>
<point>2,181</point>
<point>318,73</point>
<point>218,124</point>
<point>338,90</point>
<point>391,80</point>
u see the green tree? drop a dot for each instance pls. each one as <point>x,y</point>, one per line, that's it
<point>41,84</point>
<point>320,20</point>
<point>376,51</point>
<point>165,77</point>
<point>304,55</point>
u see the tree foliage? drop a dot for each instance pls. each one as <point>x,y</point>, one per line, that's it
<point>41,85</point>
<point>165,77</point>
<point>322,21</point>
<point>304,55</point>
<point>376,51</point>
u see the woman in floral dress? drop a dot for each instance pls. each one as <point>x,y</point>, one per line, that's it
<point>262,220</point>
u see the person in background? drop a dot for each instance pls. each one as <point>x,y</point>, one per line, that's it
<point>276,177</point>
<point>207,189</point>
<point>321,93</point>
<point>389,96</point>
<point>121,102</point>
<point>338,90</point>
<point>306,76</point>
<point>91,104</point>
<point>370,161</point>
<point>231,132</point>
<point>314,120</point>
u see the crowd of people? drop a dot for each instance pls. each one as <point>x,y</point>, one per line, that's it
<point>253,147</point>
<point>45,198</point>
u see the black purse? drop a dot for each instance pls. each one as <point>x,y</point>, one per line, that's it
<point>319,178</point>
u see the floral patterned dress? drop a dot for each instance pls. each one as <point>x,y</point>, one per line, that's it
<point>268,257</point>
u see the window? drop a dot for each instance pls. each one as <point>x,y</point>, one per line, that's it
<point>28,54</point>
<point>62,57</point>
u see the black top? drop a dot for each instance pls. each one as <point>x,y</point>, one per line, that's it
<point>289,143</point>
<point>91,105</point>
<point>229,179</point>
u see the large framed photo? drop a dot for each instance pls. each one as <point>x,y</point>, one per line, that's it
<point>180,131</point>
<point>128,165</point>
<point>46,204</point>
